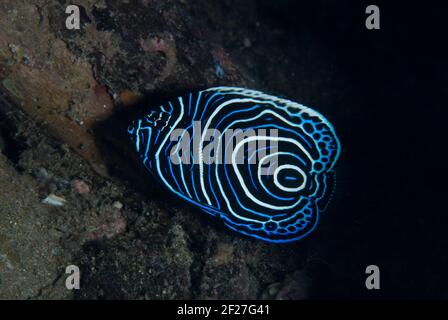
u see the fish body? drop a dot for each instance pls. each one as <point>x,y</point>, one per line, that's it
<point>262,164</point>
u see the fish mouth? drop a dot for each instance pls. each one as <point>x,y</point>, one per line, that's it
<point>133,131</point>
<point>131,128</point>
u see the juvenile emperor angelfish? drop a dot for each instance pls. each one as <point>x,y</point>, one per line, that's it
<point>262,164</point>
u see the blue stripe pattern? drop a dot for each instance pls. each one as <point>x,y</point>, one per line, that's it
<point>277,197</point>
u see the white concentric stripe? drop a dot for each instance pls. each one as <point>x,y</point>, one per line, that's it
<point>219,148</point>
<point>181,164</point>
<point>167,136</point>
<point>261,95</point>
<point>212,116</point>
<point>286,103</point>
<point>295,168</point>
<point>241,179</point>
<point>265,159</point>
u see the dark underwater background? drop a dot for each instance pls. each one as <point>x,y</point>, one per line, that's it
<point>67,97</point>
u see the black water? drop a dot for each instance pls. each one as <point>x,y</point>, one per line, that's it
<point>394,137</point>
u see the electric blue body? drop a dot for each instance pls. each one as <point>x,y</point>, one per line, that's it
<point>283,203</point>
